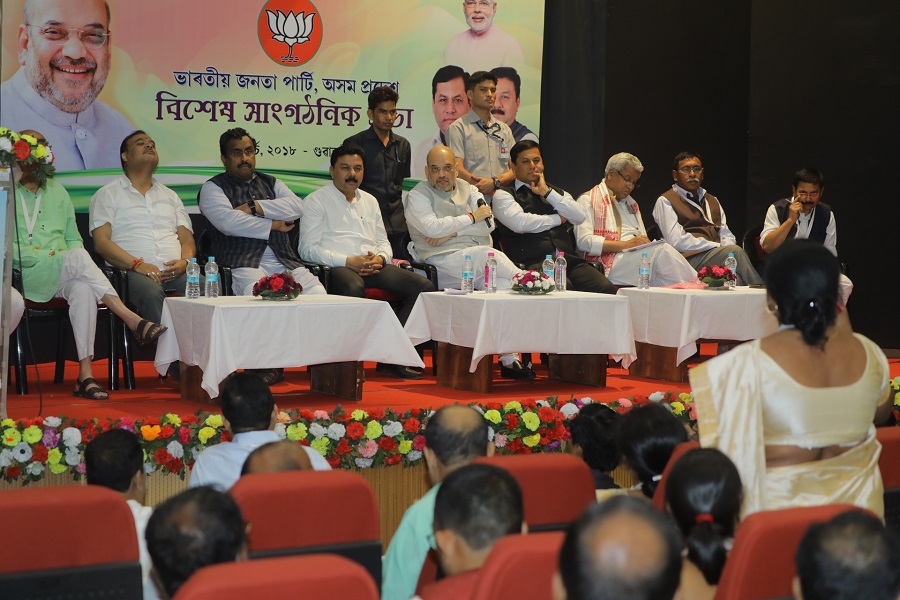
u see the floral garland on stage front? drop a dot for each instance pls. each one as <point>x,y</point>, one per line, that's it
<point>358,439</point>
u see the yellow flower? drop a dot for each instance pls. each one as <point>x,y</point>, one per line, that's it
<point>31,140</point>
<point>405,446</point>
<point>58,468</point>
<point>374,430</point>
<point>897,399</point>
<point>685,397</point>
<point>7,423</point>
<point>11,437</point>
<point>150,432</point>
<point>513,406</point>
<point>358,415</point>
<point>532,440</point>
<point>493,416</point>
<point>214,420</point>
<point>531,420</point>
<point>321,445</point>
<point>54,456</point>
<point>32,434</point>
<point>173,419</point>
<point>297,432</point>
<point>203,435</point>
<point>40,151</point>
<point>678,408</point>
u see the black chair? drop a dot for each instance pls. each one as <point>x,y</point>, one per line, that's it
<point>753,249</point>
<point>204,251</point>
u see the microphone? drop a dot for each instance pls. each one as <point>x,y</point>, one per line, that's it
<point>481,202</point>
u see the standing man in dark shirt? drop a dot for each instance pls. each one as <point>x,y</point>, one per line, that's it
<point>387,164</point>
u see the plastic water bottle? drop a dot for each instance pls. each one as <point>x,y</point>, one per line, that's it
<point>468,275</point>
<point>547,267</point>
<point>644,272</point>
<point>559,272</point>
<point>212,278</point>
<point>490,274</point>
<point>193,280</point>
<point>731,263</point>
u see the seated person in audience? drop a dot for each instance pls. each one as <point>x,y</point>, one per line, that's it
<point>536,219</point>
<point>647,437</point>
<point>54,264</point>
<point>475,507</point>
<point>803,216</point>
<point>342,228</point>
<point>613,224</point>
<point>693,221</point>
<point>195,529</point>
<point>620,549</point>
<point>594,441</point>
<point>114,459</point>
<point>852,556</point>
<point>455,435</point>
<point>250,414</point>
<point>704,494</point>
<point>252,214</point>
<point>274,457</point>
<point>796,410</point>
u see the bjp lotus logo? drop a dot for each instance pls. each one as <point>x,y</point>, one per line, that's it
<point>291,26</point>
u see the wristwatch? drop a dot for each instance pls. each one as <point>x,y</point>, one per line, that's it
<point>252,205</point>
<point>496,183</point>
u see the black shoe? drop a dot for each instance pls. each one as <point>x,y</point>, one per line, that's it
<point>399,371</point>
<point>269,376</point>
<point>517,371</point>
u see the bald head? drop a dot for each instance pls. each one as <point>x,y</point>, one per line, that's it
<point>277,456</point>
<point>456,435</point>
<point>440,169</point>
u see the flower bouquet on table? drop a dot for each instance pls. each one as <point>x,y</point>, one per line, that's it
<point>715,276</point>
<point>26,152</point>
<point>532,282</point>
<point>280,286</point>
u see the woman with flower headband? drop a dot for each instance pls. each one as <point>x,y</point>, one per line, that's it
<point>795,410</point>
<point>54,264</point>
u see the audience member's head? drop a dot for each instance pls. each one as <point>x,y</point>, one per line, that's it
<point>620,549</point>
<point>195,529</point>
<point>802,282</point>
<point>594,437</point>
<point>475,506</point>
<point>114,459</point>
<point>455,435</point>
<point>647,436</point>
<point>247,403</point>
<point>275,457</point>
<point>850,557</point>
<point>704,494</point>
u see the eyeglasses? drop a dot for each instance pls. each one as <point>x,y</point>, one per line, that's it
<point>479,3</point>
<point>634,184</point>
<point>59,35</point>
<point>808,194</point>
<point>238,153</point>
<point>687,170</point>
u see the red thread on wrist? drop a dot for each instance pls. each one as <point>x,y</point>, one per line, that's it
<point>136,262</point>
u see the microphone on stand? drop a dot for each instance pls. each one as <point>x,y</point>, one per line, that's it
<point>481,202</point>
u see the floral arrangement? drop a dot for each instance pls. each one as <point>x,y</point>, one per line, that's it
<point>280,286</point>
<point>532,282</point>
<point>895,387</point>
<point>30,154</point>
<point>715,275</point>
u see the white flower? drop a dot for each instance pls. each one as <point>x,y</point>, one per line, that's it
<point>290,28</point>
<point>73,457</point>
<point>364,463</point>
<point>317,430</point>
<point>148,468</point>
<point>393,428</point>
<point>569,410</point>
<point>490,434</point>
<point>530,284</point>
<point>542,403</point>
<point>587,400</point>
<point>175,449</point>
<point>71,436</point>
<point>336,431</point>
<point>34,468</point>
<point>52,422</point>
<point>280,431</point>
<point>478,408</point>
<point>414,455</point>
<point>657,396</point>
<point>5,144</point>
<point>6,458</point>
<point>22,452</point>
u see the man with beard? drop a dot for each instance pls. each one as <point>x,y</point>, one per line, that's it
<point>506,103</point>
<point>483,43</point>
<point>64,53</point>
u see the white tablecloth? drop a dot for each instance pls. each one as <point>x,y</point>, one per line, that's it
<point>557,323</point>
<point>678,318</point>
<point>227,333</point>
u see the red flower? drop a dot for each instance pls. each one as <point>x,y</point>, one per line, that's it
<point>512,420</point>
<point>376,413</point>
<point>189,420</point>
<point>162,456</point>
<point>341,418</point>
<point>166,432</point>
<point>343,447</point>
<point>639,399</point>
<point>412,425</point>
<point>39,453</point>
<point>494,406</point>
<point>529,403</point>
<point>21,149</point>
<point>175,465</point>
<point>419,442</point>
<point>514,446</point>
<point>276,283</point>
<point>184,435</point>
<point>307,414</point>
<point>226,436</point>
<point>547,414</point>
<point>355,430</point>
<point>621,410</point>
<point>334,461</point>
<point>387,444</point>
<point>13,472</point>
<point>393,459</point>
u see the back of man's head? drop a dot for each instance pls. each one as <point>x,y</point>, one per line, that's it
<point>195,529</point>
<point>247,403</point>
<point>274,457</point>
<point>851,556</point>
<point>622,549</point>
<point>456,435</point>
<point>112,458</point>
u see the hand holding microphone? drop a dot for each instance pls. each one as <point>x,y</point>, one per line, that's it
<point>483,210</point>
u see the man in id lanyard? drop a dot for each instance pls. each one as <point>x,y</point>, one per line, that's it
<point>693,221</point>
<point>480,142</point>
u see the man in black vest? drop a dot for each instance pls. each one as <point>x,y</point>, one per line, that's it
<point>803,216</point>
<point>251,214</point>
<point>536,219</point>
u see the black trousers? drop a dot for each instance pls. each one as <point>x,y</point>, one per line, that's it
<point>583,277</point>
<point>400,282</point>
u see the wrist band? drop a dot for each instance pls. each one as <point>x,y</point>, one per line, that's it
<point>136,262</point>
<point>252,205</point>
<point>472,217</point>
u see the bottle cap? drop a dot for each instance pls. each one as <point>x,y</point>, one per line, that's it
<point>731,254</point>
<point>193,260</point>
<point>560,254</point>
<point>548,256</point>
<point>468,257</point>
<point>491,254</point>
<point>643,254</point>
<point>212,259</point>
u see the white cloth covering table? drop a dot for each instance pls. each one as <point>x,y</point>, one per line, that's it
<point>221,335</point>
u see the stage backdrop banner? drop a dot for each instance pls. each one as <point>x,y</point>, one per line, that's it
<point>296,74</point>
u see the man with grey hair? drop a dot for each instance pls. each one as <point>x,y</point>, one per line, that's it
<point>614,231</point>
<point>64,51</point>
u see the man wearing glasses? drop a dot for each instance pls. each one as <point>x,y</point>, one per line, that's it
<point>483,43</point>
<point>693,221</point>
<point>613,231</point>
<point>63,48</point>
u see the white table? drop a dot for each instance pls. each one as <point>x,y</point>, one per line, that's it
<point>479,324</point>
<point>668,323</point>
<point>221,335</point>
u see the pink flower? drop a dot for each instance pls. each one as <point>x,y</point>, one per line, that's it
<point>693,408</point>
<point>500,440</point>
<point>321,414</point>
<point>368,449</point>
<point>624,402</point>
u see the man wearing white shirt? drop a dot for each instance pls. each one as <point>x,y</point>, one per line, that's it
<point>342,228</point>
<point>694,223</point>
<point>537,220</point>
<point>803,216</point>
<point>613,225</point>
<point>250,414</point>
<point>448,103</point>
<point>483,43</point>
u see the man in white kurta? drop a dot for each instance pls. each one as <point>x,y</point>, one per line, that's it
<point>483,45</point>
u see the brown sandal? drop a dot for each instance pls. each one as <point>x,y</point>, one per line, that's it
<point>84,389</point>
<point>147,332</point>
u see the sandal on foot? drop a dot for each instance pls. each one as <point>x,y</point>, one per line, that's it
<point>147,331</point>
<point>90,389</point>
